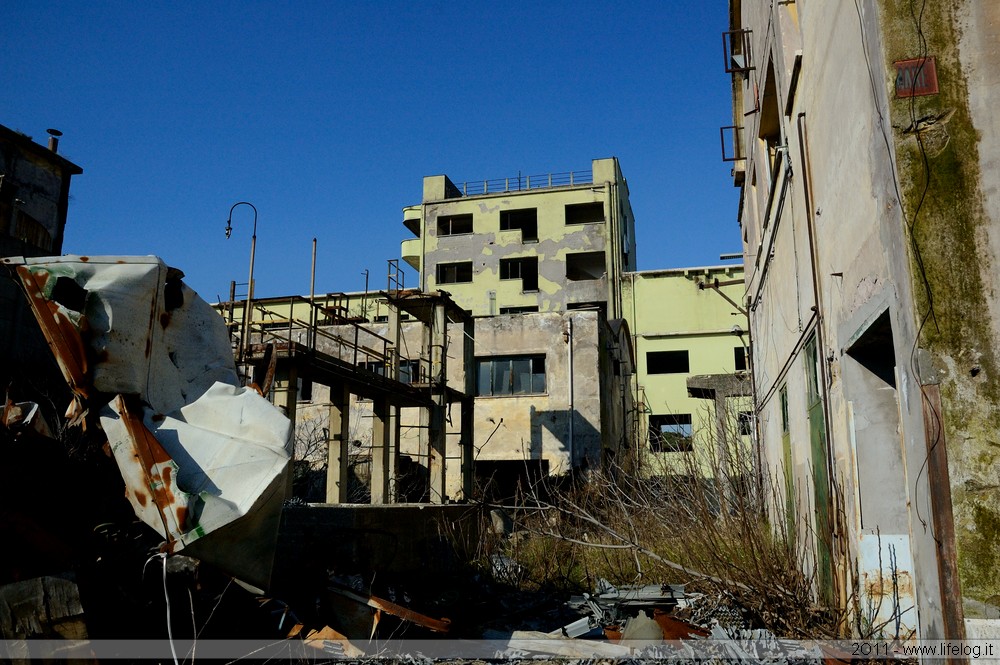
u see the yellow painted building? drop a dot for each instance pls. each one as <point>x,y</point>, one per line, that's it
<point>545,243</point>
<point>689,338</point>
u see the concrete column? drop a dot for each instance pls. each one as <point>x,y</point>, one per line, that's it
<point>437,434</point>
<point>338,446</point>
<point>385,450</point>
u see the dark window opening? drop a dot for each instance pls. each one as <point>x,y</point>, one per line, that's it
<point>770,122</point>
<point>453,225</point>
<point>581,266</point>
<point>783,398</point>
<point>745,421</point>
<point>584,213</point>
<point>875,350</point>
<point>373,366</point>
<point>305,390</point>
<point>525,219</point>
<point>510,375</point>
<point>740,358</point>
<point>381,318</point>
<point>519,310</point>
<point>409,371</point>
<point>454,273</point>
<point>671,433</point>
<point>524,269</point>
<point>667,362</point>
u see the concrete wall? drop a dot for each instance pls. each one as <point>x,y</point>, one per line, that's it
<point>487,244</point>
<point>828,215</point>
<point>667,311</point>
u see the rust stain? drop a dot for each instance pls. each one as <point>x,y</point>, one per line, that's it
<point>676,629</point>
<point>60,333</point>
<point>157,469</point>
<point>165,319</point>
<point>141,498</point>
<point>84,258</point>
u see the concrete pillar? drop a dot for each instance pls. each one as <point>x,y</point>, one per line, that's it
<point>338,445</point>
<point>385,451</point>
<point>437,433</point>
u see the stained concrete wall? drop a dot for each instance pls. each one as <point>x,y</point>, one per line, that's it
<point>828,215</point>
<point>486,245</point>
<point>667,311</point>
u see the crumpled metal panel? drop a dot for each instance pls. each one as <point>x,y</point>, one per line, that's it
<point>205,462</point>
<point>148,333</point>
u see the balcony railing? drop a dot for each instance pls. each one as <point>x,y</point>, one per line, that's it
<point>520,182</point>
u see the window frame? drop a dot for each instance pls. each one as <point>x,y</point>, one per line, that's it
<point>665,357</point>
<point>440,268</point>
<point>449,221</point>
<point>580,210</point>
<point>662,441</point>
<point>503,375</point>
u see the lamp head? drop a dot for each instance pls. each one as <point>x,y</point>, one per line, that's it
<point>229,228</point>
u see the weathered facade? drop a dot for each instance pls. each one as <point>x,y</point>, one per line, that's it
<point>865,146</point>
<point>691,383</point>
<point>34,193</point>
<point>545,243</point>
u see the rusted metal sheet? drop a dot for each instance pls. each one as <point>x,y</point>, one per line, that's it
<point>205,461</point>
<point>62,335</point>
<point>382,605</point>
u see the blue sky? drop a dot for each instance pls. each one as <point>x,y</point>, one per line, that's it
<point>326,116</point>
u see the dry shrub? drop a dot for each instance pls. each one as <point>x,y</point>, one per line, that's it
<point>706,526</point>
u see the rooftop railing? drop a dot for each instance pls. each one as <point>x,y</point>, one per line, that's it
<point>520,182</point>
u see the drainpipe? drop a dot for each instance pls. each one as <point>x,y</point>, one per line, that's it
<point>820,337</point>
<point>311,341</point>
<point>572,408</point>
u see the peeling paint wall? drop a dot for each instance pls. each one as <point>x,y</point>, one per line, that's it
<point>486,245</point>
<point>667,311</point>
<point>836,187</point>
<point>948,173</point>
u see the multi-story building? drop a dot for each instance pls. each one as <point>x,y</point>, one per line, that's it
<point>548,243</point>
<point>34,196</point>
<point>865,147</point>
<point>691,343</point>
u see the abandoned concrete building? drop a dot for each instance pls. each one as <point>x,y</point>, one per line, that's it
<point>556,384</point>
<point>864,142</point>
<point>34,193</point>
<point>691,381</point>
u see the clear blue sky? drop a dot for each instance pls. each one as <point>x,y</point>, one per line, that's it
<point>326,116</point>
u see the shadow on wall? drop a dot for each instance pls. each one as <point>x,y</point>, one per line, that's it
<point>582,445</point>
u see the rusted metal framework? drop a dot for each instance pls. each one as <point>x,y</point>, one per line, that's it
<point>333,348</point>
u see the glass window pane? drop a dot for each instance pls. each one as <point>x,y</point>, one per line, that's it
<point>501,377</point>
<point>483,380</point>
<point>538,375</point>
<point>521,384</point>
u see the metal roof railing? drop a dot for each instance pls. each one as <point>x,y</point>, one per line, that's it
<point>520,182</point>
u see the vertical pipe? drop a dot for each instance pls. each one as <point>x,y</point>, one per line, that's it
<point>312,300</point>
<point>572,407</point>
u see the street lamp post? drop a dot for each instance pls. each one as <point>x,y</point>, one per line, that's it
<point>247,309</point>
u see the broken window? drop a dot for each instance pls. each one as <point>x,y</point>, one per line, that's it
<point>373,366</point>
<point>667,362</point>
<point>510,375</point>
<point>454,273</point>
<point>670,433</point>
<point>584,213</point>
<point>519,310</point>
<point>523,268</point>
<point>453,225</point>
<point>409,371</point>
<point>745,421</point>
<point>740,358</point>
<point>582,266</point>
<point>525,219</point>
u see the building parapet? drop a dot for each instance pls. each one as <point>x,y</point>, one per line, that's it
<point>521,183</point>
